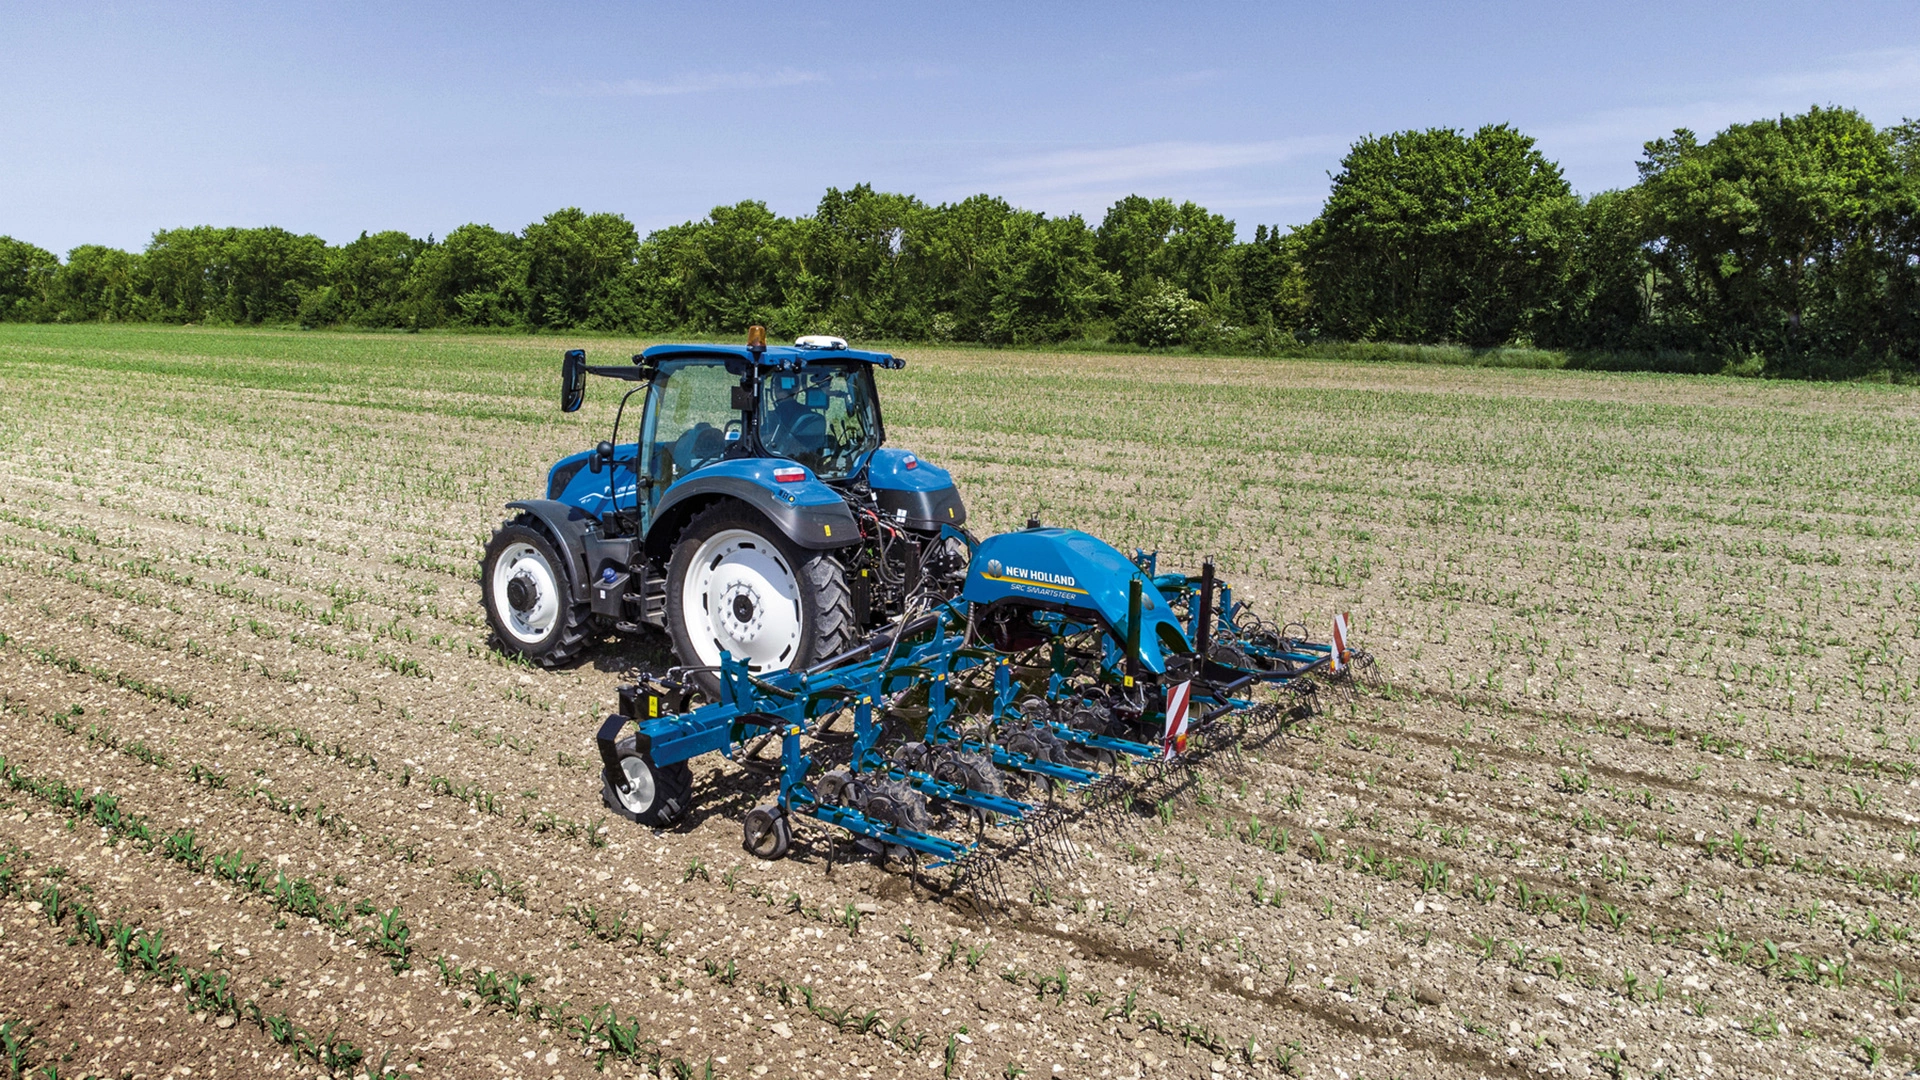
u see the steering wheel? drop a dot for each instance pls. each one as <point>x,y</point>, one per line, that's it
<point>794,429</point>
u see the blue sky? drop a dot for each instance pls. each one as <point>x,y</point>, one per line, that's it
<point>120,119</point>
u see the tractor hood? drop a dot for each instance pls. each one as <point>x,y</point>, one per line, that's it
<point>1067,570</point>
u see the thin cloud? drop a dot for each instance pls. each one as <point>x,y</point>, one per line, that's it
<point>1882,71</point>
<point>1871,81</point>
<point>1199,77</point>
<point>695,83</point>
<point>1079,170</point>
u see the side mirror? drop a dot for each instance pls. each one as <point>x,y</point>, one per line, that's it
<point>573,380</point>
<point>602,457</point>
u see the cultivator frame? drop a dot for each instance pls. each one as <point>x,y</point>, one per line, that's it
<point>1031,699</point>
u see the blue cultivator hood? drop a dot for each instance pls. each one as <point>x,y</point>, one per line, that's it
<point>1082,577</point>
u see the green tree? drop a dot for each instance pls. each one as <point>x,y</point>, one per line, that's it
<point>97,283</point>
<point>1270,281</point>
<point>1048,284</point>
<point>1884,300</point>
<point>954,264</point>
<point>579,271</point>
<point>183,271</point>
<point>26,274</point>
<point>475,277</point>
<point>1604,299</point>
<point>247,276</point>
<point>1754,231</point>
<point>1147,241</point>
<point>851,271</point>
<point>738,267</point>
<point>268,271</point>
<point>1432,236</point>
<point>367,281</point>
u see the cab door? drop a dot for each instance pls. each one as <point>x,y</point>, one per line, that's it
<point>691,422</point>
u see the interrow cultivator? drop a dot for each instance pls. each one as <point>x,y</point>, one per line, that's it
<point>1065,680</point>
<point>938,698</point>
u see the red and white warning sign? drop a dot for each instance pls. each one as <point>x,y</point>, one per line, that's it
<point>1339,642</point>
<point>1178,697</point>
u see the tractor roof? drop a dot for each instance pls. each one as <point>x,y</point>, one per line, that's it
<point>775,356</point>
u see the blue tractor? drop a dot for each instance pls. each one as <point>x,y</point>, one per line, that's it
<point>755,510</point>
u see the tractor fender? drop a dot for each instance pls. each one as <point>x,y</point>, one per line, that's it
<point>568,526</point>
<point>912,491</point>
<point>808,512</point>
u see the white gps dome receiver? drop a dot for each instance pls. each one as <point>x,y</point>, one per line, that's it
<point>820,341</point>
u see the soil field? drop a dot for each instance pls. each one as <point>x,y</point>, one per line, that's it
<point>1638,798</point>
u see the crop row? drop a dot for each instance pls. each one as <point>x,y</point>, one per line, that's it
<point>141,951</point>
<point>387,933</point>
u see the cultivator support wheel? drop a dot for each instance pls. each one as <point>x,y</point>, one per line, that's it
<point>1084,702</point>
<point>636,787</point>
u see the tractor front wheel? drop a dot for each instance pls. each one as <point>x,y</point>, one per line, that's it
<point>527,590</point>
<point>737,585</point>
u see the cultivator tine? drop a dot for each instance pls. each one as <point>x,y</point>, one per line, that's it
<point>1042,861</point>
<point>1368,673</point>
<point>1065,852</point>
<point>1219,735</point>
<point>1155,781</point>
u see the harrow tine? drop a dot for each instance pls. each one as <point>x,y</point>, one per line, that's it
<point>978,874</point>
<point>1043,845</point>
<point>1064,851</point>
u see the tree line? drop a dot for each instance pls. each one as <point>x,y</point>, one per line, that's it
<point>1789,246</point>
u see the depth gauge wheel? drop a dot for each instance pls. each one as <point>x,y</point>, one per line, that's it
<point>527,590</point>
<point>765,833</point>
<point>736,583</point>
<point>643,792</point>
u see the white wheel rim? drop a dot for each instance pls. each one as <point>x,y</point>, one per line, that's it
<point>523,562</point>
<point>741,596</point>
<point>638,797</point>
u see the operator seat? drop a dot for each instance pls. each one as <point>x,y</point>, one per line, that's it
<point>699,445</point>
<point>793,429</point>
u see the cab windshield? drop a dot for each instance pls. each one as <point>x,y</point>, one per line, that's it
<point>823,417</point>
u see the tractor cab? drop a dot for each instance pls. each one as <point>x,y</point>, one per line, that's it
<point>825,416</point>
<point>691,420</point>
<point>814,407</point>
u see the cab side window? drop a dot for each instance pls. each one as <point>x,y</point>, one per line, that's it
<point>693,420</point>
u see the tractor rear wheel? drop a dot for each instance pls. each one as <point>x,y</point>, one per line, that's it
<point>643,792</point>
<point>527,590</point>
<point>737,584</point>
